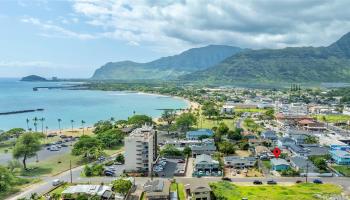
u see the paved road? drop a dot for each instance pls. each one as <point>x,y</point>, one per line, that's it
<point>46,184</point>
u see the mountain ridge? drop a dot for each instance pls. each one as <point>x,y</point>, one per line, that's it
<point>290,64</point>
<point>167,67</point>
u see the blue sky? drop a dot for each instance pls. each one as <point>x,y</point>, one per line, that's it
<point>71,38</point>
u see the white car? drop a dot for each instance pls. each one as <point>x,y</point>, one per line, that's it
<point>57,182</point>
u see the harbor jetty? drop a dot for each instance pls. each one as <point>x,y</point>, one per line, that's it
<point>21,111</point>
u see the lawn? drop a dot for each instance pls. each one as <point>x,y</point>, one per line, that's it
<point>53,165</point>
<point>251,110</point>
<point>267,164</point>
<point>20,183</point>
<point>59,163</point>
<point>173,187</point>
<point>345,170</point>
<point>332,118</point>
<point>181,191</point>
<point>210,123</point>
<point>305,191</point>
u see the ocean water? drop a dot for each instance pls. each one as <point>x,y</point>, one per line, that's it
<point>76,105</point>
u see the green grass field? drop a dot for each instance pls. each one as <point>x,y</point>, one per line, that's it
<point>210,123</point>
<point>332,118</point>
<point>181,191</point>
<point>250,110</point>
<point>305,191</point>
<point>345,170</point>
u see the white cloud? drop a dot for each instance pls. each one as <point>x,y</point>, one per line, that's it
<point>173,25</point>
<point>247,23</point>
<point>52,30</point>
<point>25,64</point>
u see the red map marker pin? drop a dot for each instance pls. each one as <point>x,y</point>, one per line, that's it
<point>276,152</point>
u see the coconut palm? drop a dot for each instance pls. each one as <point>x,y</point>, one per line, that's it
<point>42,124</point>
<point>35,119</point>
<point>59,124</point>
<point>27,120</point>
<point>82,125</point>
<point>72,123</point>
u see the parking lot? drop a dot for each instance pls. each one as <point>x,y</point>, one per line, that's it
<point>169,167</point>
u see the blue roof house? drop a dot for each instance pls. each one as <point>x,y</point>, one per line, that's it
<point>194,135</point>
<point>279,164</point>
<point>340,157</point>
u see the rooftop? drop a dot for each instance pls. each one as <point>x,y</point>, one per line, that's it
<point>279,161</point>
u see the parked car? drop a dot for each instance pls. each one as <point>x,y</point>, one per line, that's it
<point>271,182</point>
<point>317,181</point>
<point>109,173</point>
<point>64,145</point>
<point>298,181</point>
<point>181,161</point>
<point>226,179</point>
<point>57,182</point>
<point>54,148</point>
<point>257,182</point>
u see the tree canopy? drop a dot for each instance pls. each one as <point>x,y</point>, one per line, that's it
<point>140,120</point>
<point>27,145</point>
<point>185,121</point>
<point>88,147</point>
<point>121,186</point>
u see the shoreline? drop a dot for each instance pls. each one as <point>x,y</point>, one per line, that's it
<point>188,105</point>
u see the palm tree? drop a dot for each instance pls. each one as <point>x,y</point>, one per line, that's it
<point>59,124</point>
<point>27,120</point>
<point>42,124</point>
<point>72,123</point>
<point>47,128</point>
<point>35,119</point>
<point>82,124</point>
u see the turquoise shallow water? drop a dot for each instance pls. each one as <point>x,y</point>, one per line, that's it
<point>76,105</point>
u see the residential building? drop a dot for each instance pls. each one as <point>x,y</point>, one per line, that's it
<point>346,111</point>
<point>298,138</point>
<point>207,146</point>
<point>198,191</point>
<point>297,150</point>
<point>285,142</point>
<point>239,162</point>
<point>340,147</point>
<point>205,165</point>
<point>157,189</point>
<point>315,149</point>
<point>140,149</point>
<point>102,191</point>
<point>303,165</point>
<point>270,135</point>
<point>259,142</point>
<point>227,109</point>
<point>195,135</point>
<point>279,164</point>
<point>262,151</point>
<point>340,157</point>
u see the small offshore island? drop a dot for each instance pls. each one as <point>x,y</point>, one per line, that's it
<point>36,78</point>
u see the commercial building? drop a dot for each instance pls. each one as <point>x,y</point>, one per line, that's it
<point>140,149</point>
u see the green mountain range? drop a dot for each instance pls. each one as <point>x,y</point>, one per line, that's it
<point>297,64</point>
<point>167,67</point>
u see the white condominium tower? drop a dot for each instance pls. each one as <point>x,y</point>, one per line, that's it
<point>141,149</point>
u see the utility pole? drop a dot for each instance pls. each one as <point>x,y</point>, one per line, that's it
<point>70,169</point>
<point>307,170</point>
